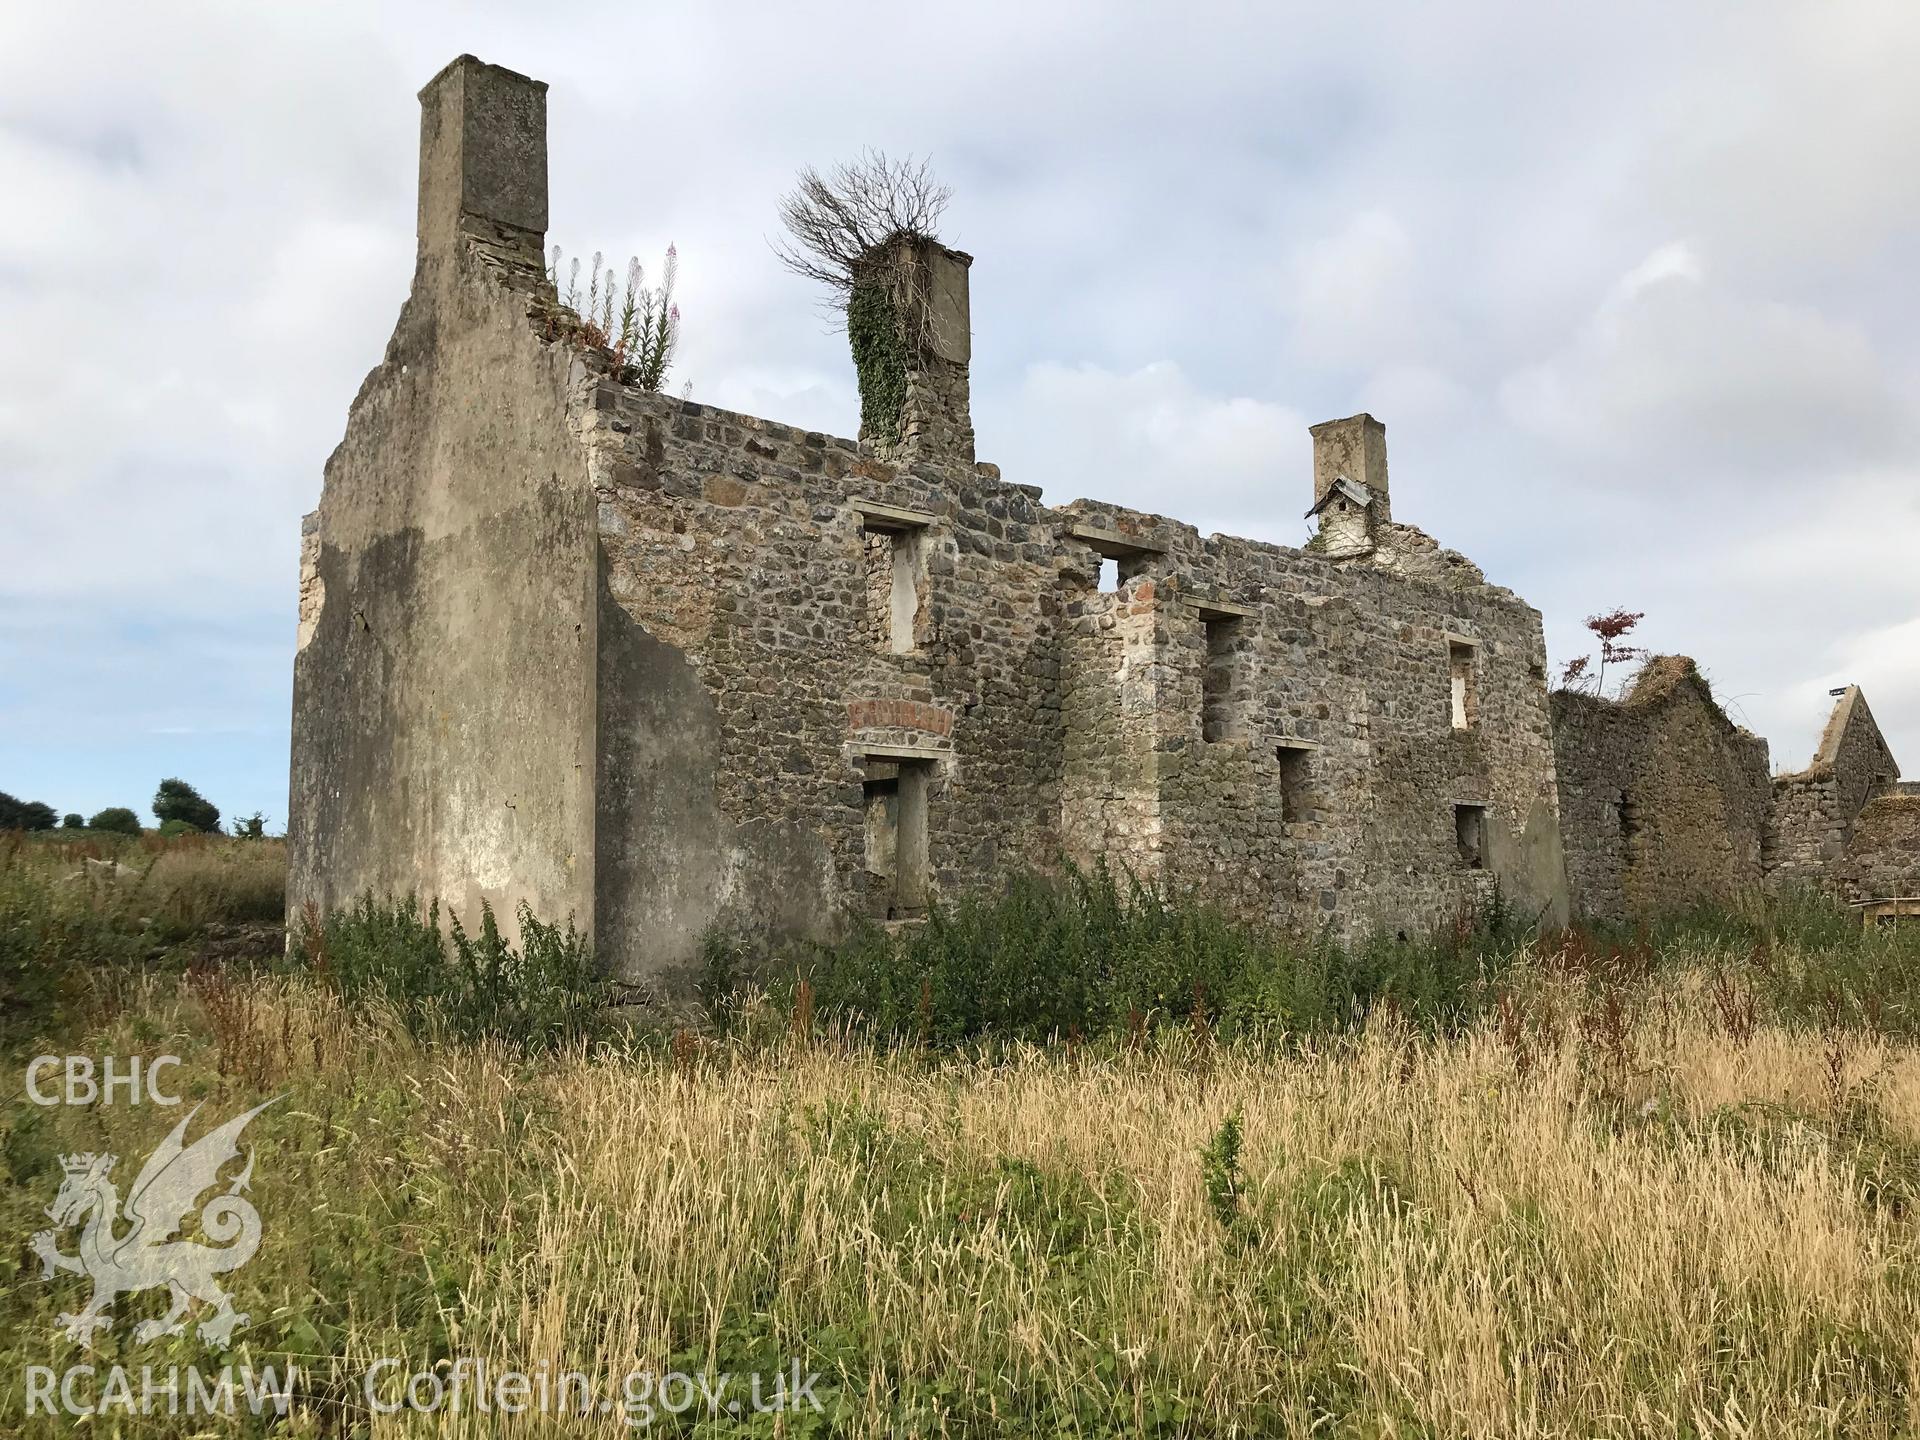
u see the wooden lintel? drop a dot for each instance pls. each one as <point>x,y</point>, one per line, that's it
<point>1222,609</point>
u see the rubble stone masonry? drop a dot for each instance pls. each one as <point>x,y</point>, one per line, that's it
<point>1664,800</point>
<point>1814,809</point>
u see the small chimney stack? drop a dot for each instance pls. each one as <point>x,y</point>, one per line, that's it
<point>1353,449</point>
<point>483,159</point>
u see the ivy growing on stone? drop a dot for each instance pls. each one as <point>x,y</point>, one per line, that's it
<point>879,359</point>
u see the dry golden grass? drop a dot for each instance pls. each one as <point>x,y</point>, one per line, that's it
<point>183,883</point>
<point>1486,1256</point>
<point>1679,1234</point>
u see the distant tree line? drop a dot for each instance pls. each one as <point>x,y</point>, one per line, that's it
<point>180,809</point>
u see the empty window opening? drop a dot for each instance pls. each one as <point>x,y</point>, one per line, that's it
<point>896,586</point>
<point>1296,795</point>
<point>1470,833</point>
<point>1117,559</point>
<point>1116,570</point>
<point>1466,703</point>
<point>894,799</point>
<point>1221,693</point>
<point>880,802</point>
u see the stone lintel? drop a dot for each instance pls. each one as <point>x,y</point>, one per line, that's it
<point>899,752</point>
<point>878,516</point>
<point>1222,609</point>
<point>1116,544</point>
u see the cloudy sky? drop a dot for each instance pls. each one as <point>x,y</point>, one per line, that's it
<point>1632,286</point>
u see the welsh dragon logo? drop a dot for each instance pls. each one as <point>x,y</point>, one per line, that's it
<point>146,1255</point>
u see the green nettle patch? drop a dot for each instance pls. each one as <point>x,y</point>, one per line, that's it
<point>1093,956</point>
<point>879,359</point>
<point>1220,1170</point>
<point>544,992</point>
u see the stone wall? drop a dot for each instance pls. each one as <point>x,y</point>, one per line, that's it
<point>1814,809</point>
<point>1056,719</point>
<point>1664,801</point>
<point>664,667</point>
<point>1882,858</point>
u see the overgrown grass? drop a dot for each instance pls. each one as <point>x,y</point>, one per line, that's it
<point>1381,1232</point>
<point>1094,957</point>
<point>1663,1181</point>
<point>76,914</point>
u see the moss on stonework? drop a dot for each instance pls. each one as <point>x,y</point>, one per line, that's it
<point>879,361</point>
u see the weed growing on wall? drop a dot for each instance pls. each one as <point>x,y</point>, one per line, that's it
<point>847,231</point>
<point>636,323</point>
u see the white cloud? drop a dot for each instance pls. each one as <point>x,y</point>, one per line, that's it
<point>1673,261</point>
<point>1150,439</point>
<point>1674,371</point>
<point>1353,296</point>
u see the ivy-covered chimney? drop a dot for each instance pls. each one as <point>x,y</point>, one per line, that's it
<point>909,325</point>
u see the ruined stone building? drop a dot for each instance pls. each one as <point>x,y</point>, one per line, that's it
<point>1814,814</point>
<point>1664,801</point>
<point>1666,804</point>
<point>662,667</point>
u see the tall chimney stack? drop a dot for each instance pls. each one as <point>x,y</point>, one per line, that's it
<point>483,159</point>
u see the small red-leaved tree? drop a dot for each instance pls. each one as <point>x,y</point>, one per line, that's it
<point>1611,630</point>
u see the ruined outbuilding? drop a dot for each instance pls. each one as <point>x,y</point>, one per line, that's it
<point>1815,810</point>
<point>661,667</point>
<point>1664,801</point>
